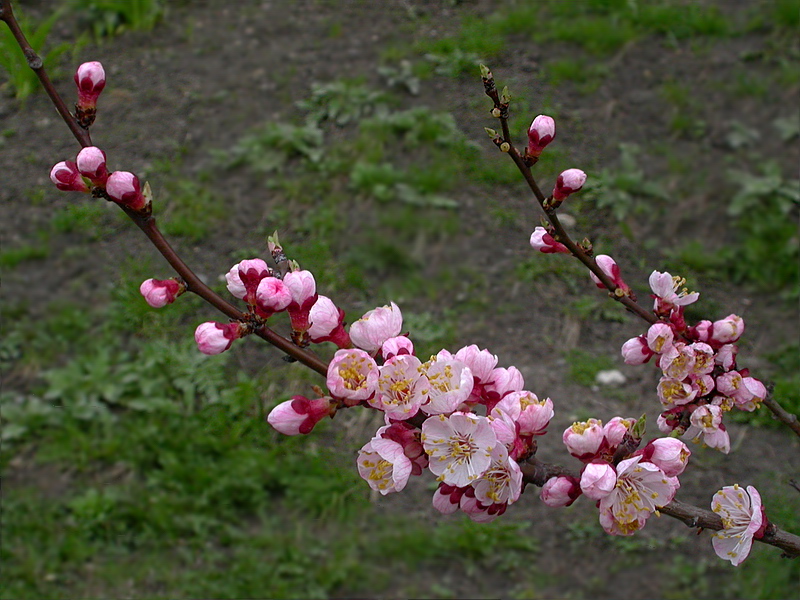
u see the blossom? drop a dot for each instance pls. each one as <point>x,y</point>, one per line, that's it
<point>668,454</point>
<point>609,266</point>
<point>124,188</point>
<point>376,326</point>
<point>244,277</point>
<point>677,361</point>
<point>396,346</point>
<point>568,182</point>
<point>706,422</point>
<point>480,362</point>
<point>541,132</point>
<point>727,330</point>
<point>450,383</point>
<point>91,162</point>
<point>598,480</point>
<point>402,387</point>
<point>215,338</point>
<point>560,491</point>
<point>352,375</point>
<point>272,296</point>
<point>459,446</point>
<point>327,323</point>
<point>669,291</point>
<point>535,414</point>
<point>303,288</point>
<point>158,293</point>
<point>743,519</point>
<point>659,337</point>
<point>501,483</point>
<point>383,465</point>
<point>446,498</point>
<point>503,381</point>
<point>67,178</point>
<point>545,243</point>
<point>583,439</point>
<point>299,415</point>
<point>675,392</point>
<point>636,351</point>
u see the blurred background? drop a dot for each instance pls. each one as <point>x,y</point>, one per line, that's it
<point>135,467</point>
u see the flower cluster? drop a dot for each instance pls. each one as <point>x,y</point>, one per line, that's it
<point>700,380</point>
<point>459,415</point>
<point>628,484</point>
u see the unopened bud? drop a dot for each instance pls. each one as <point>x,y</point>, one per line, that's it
<point>66,177</point>
<point>505,147</point>
<point>124,188</point>
<point>569,182</point>
<point>541,132</point>
<point>158,293</point>
<point>91,162</point>
<point>90,79</point>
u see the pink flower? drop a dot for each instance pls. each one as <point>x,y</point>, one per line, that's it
<point>327,323</point>
<point>397,346</point>
<point>677,360</point>
<point>609,266</point>
<point>66,177</point>
<point>598,480</point>
<point>402,387</point>
<point>583,439</point>
<point>446,499</point>
<point>636,351</point>
<point>641,489</point>
<point>352,376</point>
<point>669,291</point>
<point>560,491</point>
<point>726,356</point>
<point>541,132</point>
<point>614,431</point>
<point>376,326</point>
<point>160,292</point>
<point>459,446</point>
<point>702,331</point>
<point>703,358</point>
<point>757,392</point>
<point>123,187</point>
<point>501,482</point>
<point>706,422</point>
<point>503,381</point>
<point>244,277</point>
<point>215,338</point>
<point>727,330</point>
<point>659,337</point>
<point>535,414</point>
<point>546,243</point>
<point>743,519</point>
<point>450,383</point>
<point>91,162</point>
<point>480,362</point>
<point>272,296</point>
<point>303,288</point>
<point>675,392</point>
<point>299,415</point>
<point>90,79</point>
<point>568,182</point>
<point>383,465</point>
<point>669,454</point>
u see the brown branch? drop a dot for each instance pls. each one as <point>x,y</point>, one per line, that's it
<point>782,414</point>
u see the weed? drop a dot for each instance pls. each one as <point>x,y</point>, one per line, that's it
<point>584,366</point>
<point>270,148</point>
<point>190,208</point>
<point>342,102</point>
<point>12,257</point>
<point>108,18</point>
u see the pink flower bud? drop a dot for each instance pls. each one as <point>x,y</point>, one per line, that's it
<point>598,480</point>
<point>327,323</point>
<point>91,163</point>
<point>123,187</point>
<point>272,296</point>
<point>726,356</point>
<point>215,338</point>
<point>669,454</point>
<point>503,381</point>
<point>447,498</point>
<point>66,177</point>
<point>299,415</point>
<point>727,330</point>
<point>569,182</point>
<point>535,414</point>
<point>636,351</point>
<point>544,242</point>
<point>583,439</point>
<point>560,491</point>
<point>614,431</point>
<point>702,331</point>
<point>397,346</point>
<point>659,337</point>
<point>160,292</point>
<point>376,326</point>
<point>90,79</point>
<point>302,286</point>
<point>541,132</point>
<point>480,362</point>
<point>609,266</point>
<point>352,376</point>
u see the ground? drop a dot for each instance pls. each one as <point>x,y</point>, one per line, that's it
<point>181,97</point>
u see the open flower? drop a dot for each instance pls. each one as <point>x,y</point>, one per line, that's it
<point>376,326</point>
<point>459,446</point>
<point>743,519</point>
<point>383,465</point>
<point>706,426</point>
<point>402,387</point>
<point>352,375</point>
<point>669,291</point>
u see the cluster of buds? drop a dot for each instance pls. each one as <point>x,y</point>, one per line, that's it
<point>628,484</point>
<point>700,380</point>
<point>431,410</point>
<point>313,317</point>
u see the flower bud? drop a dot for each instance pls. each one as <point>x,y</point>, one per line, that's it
<point>727,330</point>
<point>272,296</point>
<point>480,362</point>
<point>583,439</point>
<point>598,480</point>
<point>545,243</point>
<point>90,79</point>
<point>614,431</point>
<point>636,351</point>
<point>376,326</point>
<point>123,187</point>
<point>569,182</point>
<point>669,454</point>
<point>215,338</point>
<point>66,177</point>
<point>659,337</point>
<point>160,292</point>
<point>609,266</point>
<point>560,491</point>
<point>303,288</point>
<point>327,323</point>
<point>541,132</point>
<point>91,163</point>
<point>702,331</point>
<point>299,415</point>
<point>726,356</point>
<point>397,346</point>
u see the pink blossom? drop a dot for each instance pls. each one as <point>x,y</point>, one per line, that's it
<point>303,289</point>
<point>743,519</point>
<point>450,383</point>
<point>376,326</point>
<point>383,465</point>
<point>402,387</point>
<point>90,79</point>
<point>91,162</point>
<point>244,277</point>
<point>636,351</point>
<point>397,346</point>
<point>66,177</point>
<point>480,362</point>
<point>501,482</point>
<point>598,480</point>
<point>503,381</point>
<point>726,356</point>
<point>535,415</point>
<point>669,291</point>
<point>327,323</point>
<point>727,330</point>
<point>560,491</point>
<point>659,337</point>
<point>215,338</point>
<point>160,292</point>
<point>459,446</point>
<point>702,331</point>
<point>583,439</point>
<point>757,391</point>
<point>446,499</point>
<point>352,376</point>
<point>641,489</point>
<point>272,296</point>
<point>546,243</point>
<point>614,431</point>
<point>706,423</point>
<point>568,182</point>
<point>299,415</point>
<point>669,454</point>
<point>609,266</point>
<point>677,360</point>
<point>541,132</point>
<point>675,392</point>
<point>123,187</point>
<point>703,358</point>
<point>704,385</point>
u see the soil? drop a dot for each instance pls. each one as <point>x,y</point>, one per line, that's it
<point>206,75</point>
